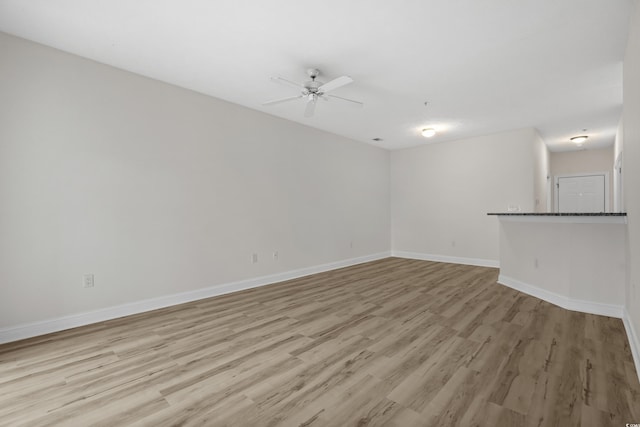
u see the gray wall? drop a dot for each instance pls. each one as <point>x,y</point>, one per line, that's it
<point>631,171</point>
<point>441,194</point>
<point>158,190</point>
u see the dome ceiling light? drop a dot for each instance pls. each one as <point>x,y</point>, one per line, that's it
<point>579,139</point>
<point>428,132</point>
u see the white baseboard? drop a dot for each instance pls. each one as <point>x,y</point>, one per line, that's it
<point>445,258</point>
<point>591,307</point>
<point>634,340</point>
<point>28,330</point>
<point>610,310</point>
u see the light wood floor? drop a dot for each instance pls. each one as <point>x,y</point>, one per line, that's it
<point>389,343</point>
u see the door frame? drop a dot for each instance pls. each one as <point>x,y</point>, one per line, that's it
<point>556,193</point>
<point>618,185</point>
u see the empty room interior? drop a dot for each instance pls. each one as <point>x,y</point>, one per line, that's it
<point>286,213</point>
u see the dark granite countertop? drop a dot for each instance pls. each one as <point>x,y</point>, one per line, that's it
<point>559,213</point>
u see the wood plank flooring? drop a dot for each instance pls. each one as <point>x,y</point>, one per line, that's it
<point>394,342</point>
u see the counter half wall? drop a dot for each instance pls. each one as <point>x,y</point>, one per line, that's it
<point>576,261</point>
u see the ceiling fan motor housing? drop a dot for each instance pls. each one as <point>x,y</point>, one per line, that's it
<point>312,86</point>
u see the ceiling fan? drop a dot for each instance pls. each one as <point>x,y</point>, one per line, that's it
<point>314,89</point>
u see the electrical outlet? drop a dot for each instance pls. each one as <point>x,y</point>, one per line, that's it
<point>254,258</point>
<point>535,263</point>
<point>87,281</point>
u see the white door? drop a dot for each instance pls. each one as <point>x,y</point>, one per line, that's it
<point>581,193</point>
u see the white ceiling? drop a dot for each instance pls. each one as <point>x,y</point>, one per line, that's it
<point>484,66</point>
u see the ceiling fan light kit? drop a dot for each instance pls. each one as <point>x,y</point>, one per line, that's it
<point>313,89</point>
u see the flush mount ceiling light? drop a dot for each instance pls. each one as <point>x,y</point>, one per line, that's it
<point>428,132</point>
<point>579,139</point>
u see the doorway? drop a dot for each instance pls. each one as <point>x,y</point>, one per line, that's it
<point>582,193</point>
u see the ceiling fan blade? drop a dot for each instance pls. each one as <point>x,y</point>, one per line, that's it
<point>287,82</point>
<point>352,101</point>
<point>310,109</point>
<point>335,83</point>
<point>277,101</point>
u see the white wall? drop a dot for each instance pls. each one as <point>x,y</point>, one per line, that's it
<point>158,190</point>
<point>542,174</point>
<point>441,194</point>
<point>583,161</point>
<point>569,261</point>
<point>631,168</point>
